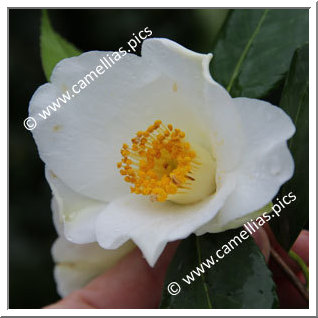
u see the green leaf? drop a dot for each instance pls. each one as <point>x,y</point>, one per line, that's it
<point>53,47</point>
<point>295,102</point>
<point>255,48</point>
<point>239,280</point>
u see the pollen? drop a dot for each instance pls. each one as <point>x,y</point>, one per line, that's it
<point>159,162</point>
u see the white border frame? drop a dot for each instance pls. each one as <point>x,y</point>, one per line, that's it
<point>312,163</point>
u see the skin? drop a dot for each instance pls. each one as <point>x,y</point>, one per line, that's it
<point>132,283</point>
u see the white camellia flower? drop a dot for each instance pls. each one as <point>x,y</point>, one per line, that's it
<point>153,151</point>
<point>77,264</point>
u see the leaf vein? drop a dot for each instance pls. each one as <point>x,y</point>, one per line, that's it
<point>205,286</point>
<point>301,102</point>
<point>245,51</point>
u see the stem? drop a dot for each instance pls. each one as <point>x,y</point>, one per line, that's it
<point>301,264</point>
<point>294,279</point>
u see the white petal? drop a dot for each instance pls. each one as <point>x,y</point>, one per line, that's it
<point>75,212</point>
<point>216,225</point>
<point>266,165</point>
<point>57,219</point>
<point>152,224</point>
<point>81,141</point>
<point>226,128</point>
<point>207,113</point>
<point>76,264</point>
<point>265,125</point>
<point>177,63</point>
<point>213,104</point>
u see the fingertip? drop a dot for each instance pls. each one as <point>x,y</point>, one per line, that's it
<point>301,246</point>
<point>262,240</point>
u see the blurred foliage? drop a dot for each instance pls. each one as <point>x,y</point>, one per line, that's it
<point>31,231</point>
<point>54,48</point>
<point>295,101</point>
<point>255,48</point>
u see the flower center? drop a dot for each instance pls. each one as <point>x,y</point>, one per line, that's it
<point>161,164</point>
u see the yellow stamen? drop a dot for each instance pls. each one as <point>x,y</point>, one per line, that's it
<point>162,162</point>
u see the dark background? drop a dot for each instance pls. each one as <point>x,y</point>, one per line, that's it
<point>31,231</point>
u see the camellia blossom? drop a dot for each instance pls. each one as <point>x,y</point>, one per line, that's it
<point>152,151</point>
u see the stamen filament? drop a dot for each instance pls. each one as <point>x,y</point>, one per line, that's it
<point>159,162</point>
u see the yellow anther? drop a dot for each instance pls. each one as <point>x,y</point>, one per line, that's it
<point>192,154</point>
<point>159,194</point>
<point>157,123</point>
<point>161,162</point>
<point>160,137</point>
<point>182,134</point>
<point>171,188</point>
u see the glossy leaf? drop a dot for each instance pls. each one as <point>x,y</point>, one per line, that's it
<point>239,280</point>
<point>295,101</point>
<point>255,48</point>
<point>54,48</point>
